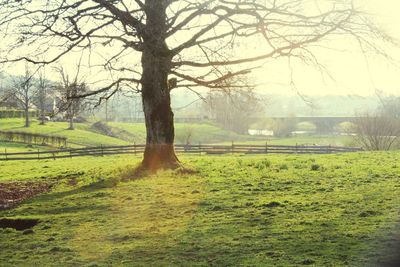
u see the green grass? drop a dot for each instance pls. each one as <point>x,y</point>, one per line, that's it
<point>315,140</point>
<point>81,136</point>
<point>128,133</point>
<point>201,133</point>
<point>19,147</point>
<point>85,135</point>
<point>332,210</point>
<point>304,140</point>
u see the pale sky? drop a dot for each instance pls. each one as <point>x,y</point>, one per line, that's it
<point>353,73</point>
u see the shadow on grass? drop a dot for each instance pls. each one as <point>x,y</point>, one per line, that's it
<point>58,203</point>
<point>93,187</point>
<point>140,172</point>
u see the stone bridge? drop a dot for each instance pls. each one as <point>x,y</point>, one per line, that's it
<point>323,124</point>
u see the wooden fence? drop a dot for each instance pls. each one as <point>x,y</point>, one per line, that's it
<point>192,149</point>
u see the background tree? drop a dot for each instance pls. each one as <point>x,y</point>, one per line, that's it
<point>23,90</point>
<point>284,127</point>
<point>192,44</point>
<point>69,91</point>
<point>376,131</point>
<point>186,135</point>
<point>42,93</point>
<point>379,130</point>
<point>234,109</point>
<point>391,106</point>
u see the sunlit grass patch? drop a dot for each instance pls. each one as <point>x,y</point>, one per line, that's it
<point>236,210</point>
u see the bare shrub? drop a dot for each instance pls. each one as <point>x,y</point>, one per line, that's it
<point>376,131</point>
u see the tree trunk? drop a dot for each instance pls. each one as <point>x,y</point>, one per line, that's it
<point>26,116</point>
<point>70,116</point>
<point>42,113</point>
<point>106,110</point>
<point>159,118</point>
<point>71,123</point>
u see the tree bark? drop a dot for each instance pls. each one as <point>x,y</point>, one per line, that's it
<point>42,111</point>
<point>26,116</point>
<point>71,123</point>
<point>159,118</point>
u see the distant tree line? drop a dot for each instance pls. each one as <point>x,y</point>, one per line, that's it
<point>32,94</point>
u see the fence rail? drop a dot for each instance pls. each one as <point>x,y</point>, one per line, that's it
<point>190,149</point>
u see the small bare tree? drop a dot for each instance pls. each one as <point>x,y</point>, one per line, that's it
<point>284,127</point>
<point>70,90</point>
<point>41,96</point>
<point>376,131</point>
<point>186,135</point>
<point>23,91</point>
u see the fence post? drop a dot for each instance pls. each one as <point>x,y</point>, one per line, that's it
<point>266,147</point>
<point>329,149</point>
<point>102,151</point>
<point>296,149</point>
<point>199,148</point>
<point>134,147</point>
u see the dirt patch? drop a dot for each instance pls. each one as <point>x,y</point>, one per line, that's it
<point>18,224</point>
<point>12,193</point>
<point>72,182</point>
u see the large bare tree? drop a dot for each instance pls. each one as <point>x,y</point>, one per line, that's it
<point>188,44</point>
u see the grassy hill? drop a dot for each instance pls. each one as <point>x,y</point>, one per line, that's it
<point>201,133</point>
<point>119,133</point>
<point>81,136</point>
<point>333,210</point>
<point>86,134</point>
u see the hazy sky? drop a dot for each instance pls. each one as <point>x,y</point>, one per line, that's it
<point>353,73</point>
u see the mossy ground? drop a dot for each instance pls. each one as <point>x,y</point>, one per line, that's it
<point>333,210</point>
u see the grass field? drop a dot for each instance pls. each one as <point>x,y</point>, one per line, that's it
<point>303,140</point>
<point>81,136</point>
<point>19,147</point>
<point>128,133</point>
<point>85,135</point>
<point>333,210</point>
<point>201,133</point>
